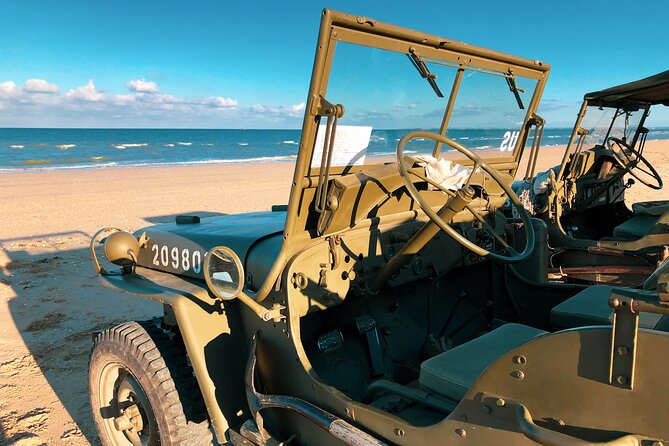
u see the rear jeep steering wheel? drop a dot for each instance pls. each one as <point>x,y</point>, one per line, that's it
<point>621,152</point>
<point>511,256</point>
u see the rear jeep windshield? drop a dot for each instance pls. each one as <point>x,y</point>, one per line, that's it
<point>387,94</point>
<point>606,122</point>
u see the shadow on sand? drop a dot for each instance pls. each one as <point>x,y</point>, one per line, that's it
<point>55,301</point>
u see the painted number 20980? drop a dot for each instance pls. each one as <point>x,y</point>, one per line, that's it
<point>177,258</point>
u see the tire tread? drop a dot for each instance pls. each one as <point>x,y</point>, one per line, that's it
<point>164,365</point>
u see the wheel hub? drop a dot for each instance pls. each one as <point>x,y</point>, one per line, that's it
<point>130,419</point>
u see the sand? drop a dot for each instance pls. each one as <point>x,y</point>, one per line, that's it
<point>51,300</point>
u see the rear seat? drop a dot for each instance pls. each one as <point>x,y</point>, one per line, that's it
<point>591,307</point>
<point>646,216</point>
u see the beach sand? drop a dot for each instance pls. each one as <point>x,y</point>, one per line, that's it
<point>51,300</point>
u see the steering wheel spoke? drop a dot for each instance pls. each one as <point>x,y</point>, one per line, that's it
<point>489,228</point>
<point>448,192</point>
<point>478,164</point>
<point>621,150</point>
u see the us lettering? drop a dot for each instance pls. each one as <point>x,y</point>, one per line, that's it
<point>509,141</point>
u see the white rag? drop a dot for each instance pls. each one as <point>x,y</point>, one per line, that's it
<point>542,181</point>
<point>447,174</point>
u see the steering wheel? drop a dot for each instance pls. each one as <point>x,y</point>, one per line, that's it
<point>511,256</point>
<point>623,152</point>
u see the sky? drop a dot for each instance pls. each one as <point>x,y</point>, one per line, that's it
<point>224,64</point>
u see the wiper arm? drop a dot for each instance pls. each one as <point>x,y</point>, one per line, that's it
<point>511,81</point>
<point>424,71</point>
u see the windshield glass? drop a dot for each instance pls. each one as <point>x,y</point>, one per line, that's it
<point>598,120</point>
<point>389,94</point>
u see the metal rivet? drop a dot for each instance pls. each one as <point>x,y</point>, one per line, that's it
<point>486,409</point>
<point>500,402</point>
<point>623,350</point>
<point>518,374</point>
<point>399,432</point>
<point>621,379</point>
<point>519,359</point>
<point>560,422</point>
<point>461,432</point>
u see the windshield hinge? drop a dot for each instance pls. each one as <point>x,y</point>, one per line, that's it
<point>323,107</point>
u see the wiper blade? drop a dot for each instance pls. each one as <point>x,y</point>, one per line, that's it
<point>511,81</point>
<point>424,71</point>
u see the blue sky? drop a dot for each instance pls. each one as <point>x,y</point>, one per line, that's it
<point>222,64</point>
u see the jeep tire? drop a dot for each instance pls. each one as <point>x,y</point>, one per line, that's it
<point>142,389</point>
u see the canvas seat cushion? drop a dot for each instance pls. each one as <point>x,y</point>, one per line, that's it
<point>655,208</point>
<point>452,373</point>
<point>591,307</point>
<point>635,227</point>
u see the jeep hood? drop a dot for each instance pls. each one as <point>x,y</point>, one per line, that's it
<point>180,247</point>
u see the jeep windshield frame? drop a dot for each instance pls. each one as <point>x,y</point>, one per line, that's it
<point>337,28</point>
<point>620,101</point>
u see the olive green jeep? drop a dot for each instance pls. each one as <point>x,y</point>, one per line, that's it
<point>598,235</point>
<point>394,300</point>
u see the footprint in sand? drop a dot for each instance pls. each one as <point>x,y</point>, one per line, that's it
<point>71,433</point>
<point>23,439</point>
<point>23,365</point>
<point>33,420</point>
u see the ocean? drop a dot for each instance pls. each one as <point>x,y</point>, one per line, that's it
<point>23,149</point>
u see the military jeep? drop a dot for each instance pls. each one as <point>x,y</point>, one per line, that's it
<point>597,236</point>
<point>395,299</point>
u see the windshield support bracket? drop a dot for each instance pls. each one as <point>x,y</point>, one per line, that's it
<point>333,112</point>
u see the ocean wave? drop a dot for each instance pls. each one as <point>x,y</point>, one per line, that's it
<point>65,146</point>
<point>168,145</point>
<point>128,165</point>
<point>242,144</point>
<point>289,141</point>
<point>57,168</point>
<point>36,162</point>
<point>129,146</point>
<point>184,143</point>
<point>16,146</point>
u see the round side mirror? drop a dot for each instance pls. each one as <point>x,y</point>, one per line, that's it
<point>223,272</point>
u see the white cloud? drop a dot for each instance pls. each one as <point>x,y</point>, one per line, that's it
<point>39,86</point>
<point>143,106</point>
<point>142,86</point>
<point>86,93</point>
<point>279,110</point>
<point>7,89</point>
<point>220,102</point>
